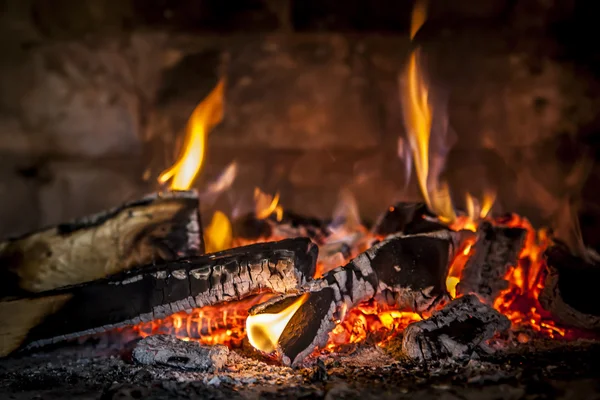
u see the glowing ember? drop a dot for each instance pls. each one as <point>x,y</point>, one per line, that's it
<point>369,320</point>
<point>526,280</point>
<point>264,330</point>
<point>222,324</point>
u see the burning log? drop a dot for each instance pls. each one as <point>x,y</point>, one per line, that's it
<point>497,248</point>
<point>408,218</point>
<point>155,292</point>
<point>408,272</point>
<point>454,332</point>
<point>168,351</point>
<point>251,227</point>
<point>569,292</point>
<point>159,227</point>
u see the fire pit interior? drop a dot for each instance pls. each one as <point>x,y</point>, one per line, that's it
<point>298,198</point>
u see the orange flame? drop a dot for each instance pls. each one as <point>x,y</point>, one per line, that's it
<point>218,234</point>
<point>418,114</point>
<point>265,205</point>
<point>204,117</point>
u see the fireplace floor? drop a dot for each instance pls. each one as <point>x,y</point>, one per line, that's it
<point>539,369</point>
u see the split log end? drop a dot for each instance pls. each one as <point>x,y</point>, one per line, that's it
<point>569,292</point>
<point>158,227</point>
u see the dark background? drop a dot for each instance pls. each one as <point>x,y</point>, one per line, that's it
<point>94,95</point>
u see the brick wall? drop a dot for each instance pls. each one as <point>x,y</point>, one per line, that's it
<point>93,96</point>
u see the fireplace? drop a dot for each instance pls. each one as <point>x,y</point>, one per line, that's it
<point>345,199</point>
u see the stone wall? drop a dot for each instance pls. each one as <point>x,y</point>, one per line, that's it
<point>93,100</point>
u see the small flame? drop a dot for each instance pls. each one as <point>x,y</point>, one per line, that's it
<point>418,116</point>
<point>265,205</point>
<point>419,15</point>
<point>489,197</point>
<point>264,330</point>
<point>218,234</point>
<point>451,283</point>
<point>205,116</point>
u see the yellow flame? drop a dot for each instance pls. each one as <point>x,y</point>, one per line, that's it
<point>418,114</point>
<point>265,205</point>
<point>489,197</point>
<point>264,330</point>
<point>451,283</point>
<point>218,234</point>
<point>205,116</point>
<point>470,205</point>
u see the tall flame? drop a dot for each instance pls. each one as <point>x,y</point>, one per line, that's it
<point>418,116</point>
<point>205,116</point>
<point>264,330</point>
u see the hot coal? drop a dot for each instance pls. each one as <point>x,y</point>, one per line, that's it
<point>168,351</point>
<point>454,333</point>
<point>497,248</point>
<point>570,291</point>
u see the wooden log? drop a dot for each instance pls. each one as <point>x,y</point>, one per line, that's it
<point>159,227</point>
<point>291,225</point>
<point>569,292</point>
<point>154,292</point>
<point>454,333</point>
<point>168,351</point>
<point>497,249</point>
<point>408,272</point>
<point>408,218</point>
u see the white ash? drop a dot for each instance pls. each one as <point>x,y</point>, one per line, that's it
<point>168,351</point>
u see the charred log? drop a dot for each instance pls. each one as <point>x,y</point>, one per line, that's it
<point>291,225</point>
<point>569,292</point>
<point>496,249</point>
<point>251,228</point>
<point>159,227</point>
<point>455,332</point>
<point>408,272</point>
<point>155,292</point>
<point>168,351</point>
<point>408,218</point>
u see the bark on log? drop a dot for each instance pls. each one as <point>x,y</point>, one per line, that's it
<point>159,227</point>
<point>408,272</point>
<point>455,332</point>
<point>496,249</point>
<point>155,292</point>
<point>570,290</point>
